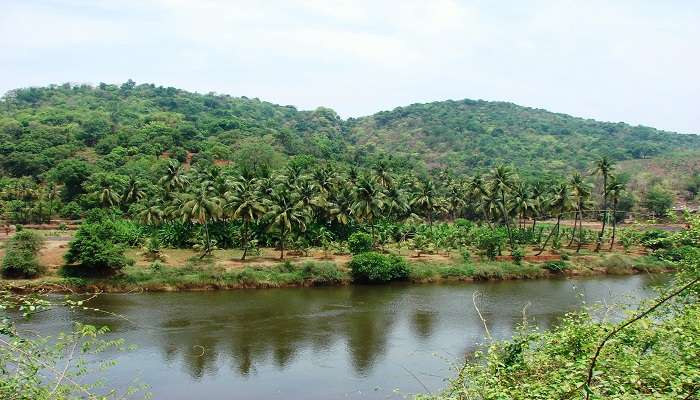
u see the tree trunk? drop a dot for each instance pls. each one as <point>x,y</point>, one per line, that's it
<point>614,224</point>
<point>556,227</point>
<point>573,233</point>
<point>245,241</point>
<point>207,247</point>
<point>580,236</point>
<point>505,217</point>
<point>283,236</point>
<point>605,214</point>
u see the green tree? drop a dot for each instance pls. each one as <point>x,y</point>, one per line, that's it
<point>202,206</point>
<point>560,203</point>
<point>368,201</point>
<point>658,200</point>
<point>285,215</point>
<point>244,203</point>
<point>604,168</point>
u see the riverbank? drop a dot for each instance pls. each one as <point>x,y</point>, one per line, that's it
<point>205,275</point>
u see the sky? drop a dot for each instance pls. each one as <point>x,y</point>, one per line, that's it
<point>631,61</point>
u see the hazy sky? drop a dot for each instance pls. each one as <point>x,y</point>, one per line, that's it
<point>632,61</point>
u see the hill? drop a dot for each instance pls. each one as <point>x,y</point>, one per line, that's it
<point>470,134</point>
<point>115,126</point>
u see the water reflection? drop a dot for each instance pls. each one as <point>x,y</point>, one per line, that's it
<point>349,337</point>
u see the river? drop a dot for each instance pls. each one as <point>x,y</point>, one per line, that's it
<point>355,342</point>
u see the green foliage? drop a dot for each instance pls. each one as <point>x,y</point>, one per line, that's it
<point>20,259</point>
<point>98,245</point>
<point>641,362</point>
<point>617,264</point>
<point>62,367</point>
<point>556,266</point>
<point>518,255</point>
<point>375,268</point>
<point>655,239</point>
<point>658,200</point>
<point>489,241</point>
<point>322,274</point>
<point>360,242</point>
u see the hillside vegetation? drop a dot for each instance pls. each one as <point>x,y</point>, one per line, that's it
<point>470,134</point>
<point>119,126</point>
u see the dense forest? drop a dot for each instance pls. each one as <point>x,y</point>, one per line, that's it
<point>125,128</point>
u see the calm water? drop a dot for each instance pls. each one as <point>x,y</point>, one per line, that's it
<point>327,343</point>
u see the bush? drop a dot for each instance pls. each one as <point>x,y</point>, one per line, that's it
<point>375,267</point>
<point>96,248</point>
<point>322,274</point>
<point>20,257</point>
<point>463,271</point>
<point>617,264</point>
<point>489,240</point>
<point>360,242</point>
<point>556,267</point>
<point>71,211</point>
<point>518,254</point>
<point>466,256</point>
<point>655,239</point>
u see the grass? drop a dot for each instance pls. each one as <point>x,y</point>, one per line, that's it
<point>185,270</point>
<point>619,264</point>
<point>488,270</point>
<point>196,275</point>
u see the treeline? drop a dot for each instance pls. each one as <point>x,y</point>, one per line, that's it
<point>129,126</point>
<point>306,204</point>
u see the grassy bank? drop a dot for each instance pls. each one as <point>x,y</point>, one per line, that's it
<point>206,275</point>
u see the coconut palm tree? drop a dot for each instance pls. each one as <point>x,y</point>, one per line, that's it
<point>174,178</point>
<point>383,174</point>
<point>425,199</point>
<point>603,167</point>
<point>285,215</point>
<point>132,192</point>
<point>455,199</point>
<point>244,202</point>
<point>339,205</point>
<point>106,194</point>
<point>560,203</point>
<point>478,192</point>
<point>150,215</point>
<point>368,201</point>
<point>538,199</point>
<point>615,189</point>
<point>202,206</point>
<point>578,191</point>
<point>501,183</point>
<point>522,202</point>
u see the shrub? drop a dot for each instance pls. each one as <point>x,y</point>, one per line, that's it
<point>375,267</point>
<point>20,257</point>
<point>152,250</point>
<point>320,274</point>
<point>95,248</point>
<point>617,264</point>
<point>489,240</point>
<point>466,256</point>
<point>360,242</point>
<point>655,239</point>
<point>556,266</point>
<point>71,211</point>
<point>463,271</point>
<point>518,254</point>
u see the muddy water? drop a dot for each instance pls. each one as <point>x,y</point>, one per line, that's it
<point>364,342</point>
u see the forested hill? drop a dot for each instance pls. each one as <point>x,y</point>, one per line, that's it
<point>125,127</point>
<point>472,134</point>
